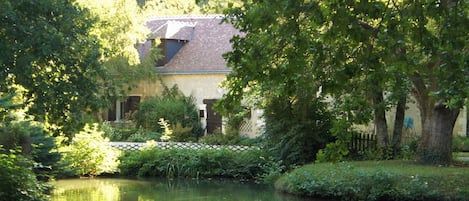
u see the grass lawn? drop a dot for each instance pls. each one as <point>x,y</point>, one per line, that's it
<point>449,183</point>
<point>443,178</point>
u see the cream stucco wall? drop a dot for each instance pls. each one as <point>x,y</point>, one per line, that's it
<point>200,86</point>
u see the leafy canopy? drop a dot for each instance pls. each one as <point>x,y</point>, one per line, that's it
<point>120,27</point>
<point>48,51</point>
<point>349,50</point>
<point>293,46</point>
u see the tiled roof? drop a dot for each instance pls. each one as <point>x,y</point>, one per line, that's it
<point>175,30</point>
<point>208,39</point>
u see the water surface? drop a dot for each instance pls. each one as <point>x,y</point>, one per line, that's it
<point>164,190</point>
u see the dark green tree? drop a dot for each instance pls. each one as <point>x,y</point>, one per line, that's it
<point>48,51</point>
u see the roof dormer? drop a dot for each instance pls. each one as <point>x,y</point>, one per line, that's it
<point>173,35</point>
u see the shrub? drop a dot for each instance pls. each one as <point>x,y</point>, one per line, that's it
<point>460,143</point>
<point>296,130</point>
<point>173,106</point>
<point>114,133</point>
<point>141,135</point>
<point>182,134</point>
<point>34,142</point>
<point>89,154</point>
<point>17,180</point>
<point>111,132</point>
<point>345,182</point>
<point>218,138</point>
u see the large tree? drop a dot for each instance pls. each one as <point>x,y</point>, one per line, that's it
<point>121,27</point>
<point>353,51</point>
<point>48,52</point>
<point>436,49</point>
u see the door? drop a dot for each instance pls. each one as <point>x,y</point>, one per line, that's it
<point>214,120</point>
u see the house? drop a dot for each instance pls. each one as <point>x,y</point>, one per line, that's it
<point>192,49</point>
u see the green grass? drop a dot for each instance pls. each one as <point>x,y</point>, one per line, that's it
<point>443,178</point>
<point>393,180</point>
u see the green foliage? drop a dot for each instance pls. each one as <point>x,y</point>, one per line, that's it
<point>13,135</point>
<point>353,51</point>
<point>6,105</point>
<point>89,153</point>
<point>120,26</point>
<point>296,130</point>
<point>229,138</point>
<point>114,133</point>
<point>141,135</point>
<point>168,7</point>
<point>40,146</point>
<point>273,170</point>
<point>17,180</point>
<point>182,134</point>
<point>183,7</point>
<point>155,162</point>
<point>174,107</point>
<point>48,51</point>
<point>17,132</point>
<point>345,182</point>
<point>409,151</point>
<point>460,143</point>
<point>337,150</point>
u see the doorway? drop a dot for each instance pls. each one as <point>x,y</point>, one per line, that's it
<point>214,120</point>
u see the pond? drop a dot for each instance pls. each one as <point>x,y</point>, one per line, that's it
<point>112,189</point>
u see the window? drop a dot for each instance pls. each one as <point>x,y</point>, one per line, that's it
<point>122,110</point>
<point>169,48</point>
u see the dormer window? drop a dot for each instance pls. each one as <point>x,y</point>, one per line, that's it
<point>173,35</point>
<point>169,48</point>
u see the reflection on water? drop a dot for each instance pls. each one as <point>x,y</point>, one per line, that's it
<point>163,190</point>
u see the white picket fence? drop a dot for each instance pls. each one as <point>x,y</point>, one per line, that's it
<point>135,146</point>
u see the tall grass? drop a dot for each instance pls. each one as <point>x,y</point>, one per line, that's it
<point>172,163</point>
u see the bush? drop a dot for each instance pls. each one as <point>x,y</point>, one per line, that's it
<point>89,153</point>
<point>155,162</point>
<point>218,138</point>
<point>17,180</point>
<point>174,107</point>
<point>460,143</point>
<point>141,135</point>
<point>345,182</point>
<point>296,130</point>
<point>34,142</point>
<point>116,134</point>
<point>182,134</point>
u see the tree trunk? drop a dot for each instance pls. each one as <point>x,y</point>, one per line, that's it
<point>381,128</point>
<point>398,125</point>
<point>437,134</point>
